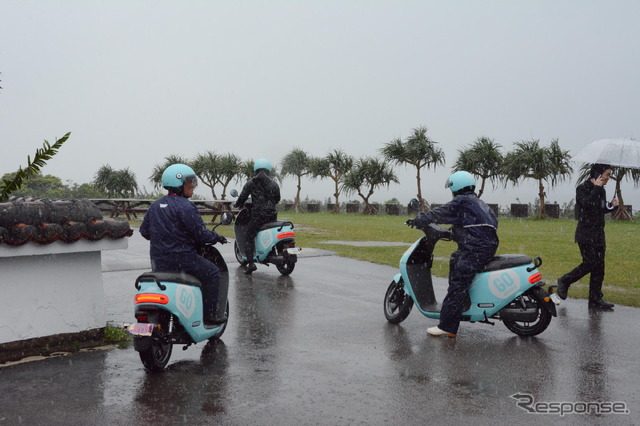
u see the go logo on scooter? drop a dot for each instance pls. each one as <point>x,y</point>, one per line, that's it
<point>504,284</point>
<point>185,300</point>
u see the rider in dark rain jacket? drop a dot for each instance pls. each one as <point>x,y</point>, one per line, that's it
<point>475,230</point>
<point>265,194</point>
<point>175,229</point>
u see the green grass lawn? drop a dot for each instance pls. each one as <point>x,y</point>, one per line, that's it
<point>551,239</point>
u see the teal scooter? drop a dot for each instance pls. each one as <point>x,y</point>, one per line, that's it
<point>274,244</point>
<point>169,310</point>
<point>509,289</point>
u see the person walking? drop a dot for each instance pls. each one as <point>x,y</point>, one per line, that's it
<point>591,205</point>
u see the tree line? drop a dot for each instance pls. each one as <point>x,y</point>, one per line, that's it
<point>484,158</point>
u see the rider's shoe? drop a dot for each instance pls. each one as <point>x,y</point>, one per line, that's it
<point>250,268</point>
<point>436,331</point>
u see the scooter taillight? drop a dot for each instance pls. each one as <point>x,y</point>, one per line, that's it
<point>535,277</point>
<point>162,299</point>
<point>283,235</point>
<point>141,317</point>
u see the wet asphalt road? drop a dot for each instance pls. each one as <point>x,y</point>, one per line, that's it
<point>315,348</point>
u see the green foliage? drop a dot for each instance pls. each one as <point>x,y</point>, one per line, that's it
<point>544,164</point>
<point>8,186</point>
<point>335,166</point>
<point>417,150</point>
<point>117,336</point>
<point>121,183</point>
<point>367,175</point>
<point>482,159</point>
<point>296,163</point>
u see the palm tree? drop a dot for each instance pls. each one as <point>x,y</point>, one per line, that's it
<point>158,169</point>
<point>367,175</point>
<point>120,183</point>
<point>230,168</point>
<point>335,165</point>
<point>544,164</point>
<point>207,167</point>
<point>618,174</point>
<point>417,150</point>
<point>296,163</point>
<point>482,159</point>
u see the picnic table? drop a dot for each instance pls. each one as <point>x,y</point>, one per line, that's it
<point>131,207</point>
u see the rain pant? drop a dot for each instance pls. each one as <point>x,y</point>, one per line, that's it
<point>591,206</point>
<point>265,195</point>
<point>475,230</point>
<point>175,229</point>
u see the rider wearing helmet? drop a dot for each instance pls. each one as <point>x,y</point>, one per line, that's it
<point>175,228</point>
<point>265,194</point>
<point>475,230</point>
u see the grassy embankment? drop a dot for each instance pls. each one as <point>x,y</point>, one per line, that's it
<point>550,239</point>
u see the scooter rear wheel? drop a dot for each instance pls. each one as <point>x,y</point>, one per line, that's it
<point>533,328</point>
<point>397,303</point>
<point>286,267</point>
<point>155,358</point>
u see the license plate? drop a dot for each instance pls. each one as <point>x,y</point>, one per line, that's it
<point>555,298</point>
<point>294,250</point>
<point>141,329</point>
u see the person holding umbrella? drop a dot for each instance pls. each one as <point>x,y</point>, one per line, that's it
<point>591,205</point>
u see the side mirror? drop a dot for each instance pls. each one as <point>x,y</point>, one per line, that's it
<point>233,193</point>
<point>226,218</point>
<point>414,204</point>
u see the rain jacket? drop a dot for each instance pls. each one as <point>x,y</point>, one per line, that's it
<point>174,226</point>
<point>591,206</point>
<point>264,192</point>
<point>474,223</point>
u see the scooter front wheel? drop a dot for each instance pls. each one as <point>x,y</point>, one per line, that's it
<point>156,357</point>
<point>236,250</point>
<point>397,303</point>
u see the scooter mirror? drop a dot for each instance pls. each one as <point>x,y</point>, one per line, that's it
<point>226,218</point>
<point>414,204</point>
<point>233,193</point>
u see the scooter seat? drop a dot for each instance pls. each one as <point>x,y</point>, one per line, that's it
<point>276,224</point>
<point>174,277</point>
<point>506,261</point>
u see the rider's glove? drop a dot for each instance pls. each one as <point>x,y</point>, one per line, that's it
<point>410,223</point>
<point>222,240</point>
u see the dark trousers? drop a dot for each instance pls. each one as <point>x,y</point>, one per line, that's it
<point>258,218</point>
<point>592,263</point>
<point>206,272</point>
<point>463,267</point>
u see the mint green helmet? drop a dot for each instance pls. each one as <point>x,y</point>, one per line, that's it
<point>460,180</point>
<point>176,175</point>
<point>262,163</point>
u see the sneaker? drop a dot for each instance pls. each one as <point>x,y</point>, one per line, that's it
<point>435,331</point>
<point>600,304</point>
<point>250,268</point>
<point>563,288</point>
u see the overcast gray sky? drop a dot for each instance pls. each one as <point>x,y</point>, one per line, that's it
<point>135,81</point>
